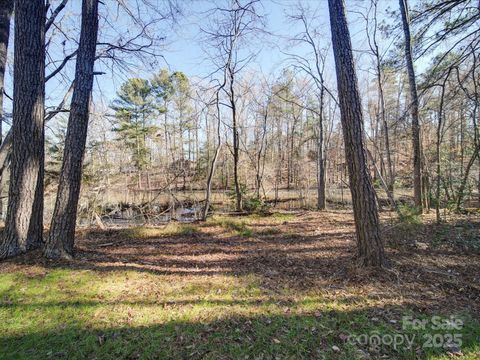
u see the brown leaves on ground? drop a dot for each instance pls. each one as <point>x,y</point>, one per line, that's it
<point>310,252</point>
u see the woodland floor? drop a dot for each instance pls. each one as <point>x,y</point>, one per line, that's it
<point>283,286</point>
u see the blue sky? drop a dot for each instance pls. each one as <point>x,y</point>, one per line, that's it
<point>183,47</point>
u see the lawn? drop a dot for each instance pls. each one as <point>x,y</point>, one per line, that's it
<point>276,287</point>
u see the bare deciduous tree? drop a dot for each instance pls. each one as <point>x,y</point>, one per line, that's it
<point>417,152</point>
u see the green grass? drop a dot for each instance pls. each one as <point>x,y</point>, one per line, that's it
<point>238,226</point>
<point>171,229</point>
<point>63,313</point>
<point>82,314</point>
<point>243,226</point>
<point>281,217</point>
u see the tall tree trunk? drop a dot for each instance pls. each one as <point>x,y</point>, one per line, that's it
<point>381,101</point>
<point>321,198</point>
<point>261,154</point>
<point>6,8</point>
<point>236,143</point>
<point>437,147</point>
<point>211,173</point>
<point>62,230</point>
<point>24,226</point>
<point>391,178</point>
<point>369,242</point>
<point>6,146</point>
<point>417,159</point>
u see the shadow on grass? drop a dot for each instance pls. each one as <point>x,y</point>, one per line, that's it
<point>430,279</point>
<point>328,335</point>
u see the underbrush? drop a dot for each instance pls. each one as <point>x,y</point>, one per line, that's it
<point>459,233</point>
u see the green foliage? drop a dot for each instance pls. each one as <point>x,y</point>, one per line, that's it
<point>133,107</point>
<point>254,204</point>
<point>138,105</point>
<point>409,214</point>
<point>251,202</point>
<point>282,217</point>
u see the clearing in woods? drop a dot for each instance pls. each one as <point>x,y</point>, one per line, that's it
<point>282,286</point>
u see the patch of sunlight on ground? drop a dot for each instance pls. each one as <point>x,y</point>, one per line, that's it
<point>78,314</point>
<point>171,229</point>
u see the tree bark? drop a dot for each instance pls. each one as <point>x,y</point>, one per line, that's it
<point>6,8</point>
<point>417,159</point>
<point>236,142</point>
<point>321,198</point>
<point>437,147</point>
<point>213,165</point>
<point>369,243</point>
<point>60,242</point>
<point>24,221</point>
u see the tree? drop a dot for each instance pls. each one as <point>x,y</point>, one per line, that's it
<point>6,145</point>
<point>232,29</point>
<point>162,90</point>
<point>213,164</point>
<point>473,96</point>
<point>60,243</point>
<point>369,244</point>
<point>181,96</point>
<point>133,107</point>
<point>316,72</point>
<point>24,221</point>
<point>417,160</point>
<point>381,112</point>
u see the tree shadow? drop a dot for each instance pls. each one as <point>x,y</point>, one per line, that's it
<point>312,252</point>
<point>328,334</point>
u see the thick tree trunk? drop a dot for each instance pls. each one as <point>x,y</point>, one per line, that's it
<point>24,223</point>
<point>417,159</point>
<point>6,8</point>
<point>370,246</point>
<point>6,147</point>
<point>62,230</point>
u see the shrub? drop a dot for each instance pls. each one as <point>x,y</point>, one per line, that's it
<point>409,214</point>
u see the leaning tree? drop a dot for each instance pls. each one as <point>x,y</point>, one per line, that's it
<point>62,230</point>
<point>369,242</point>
